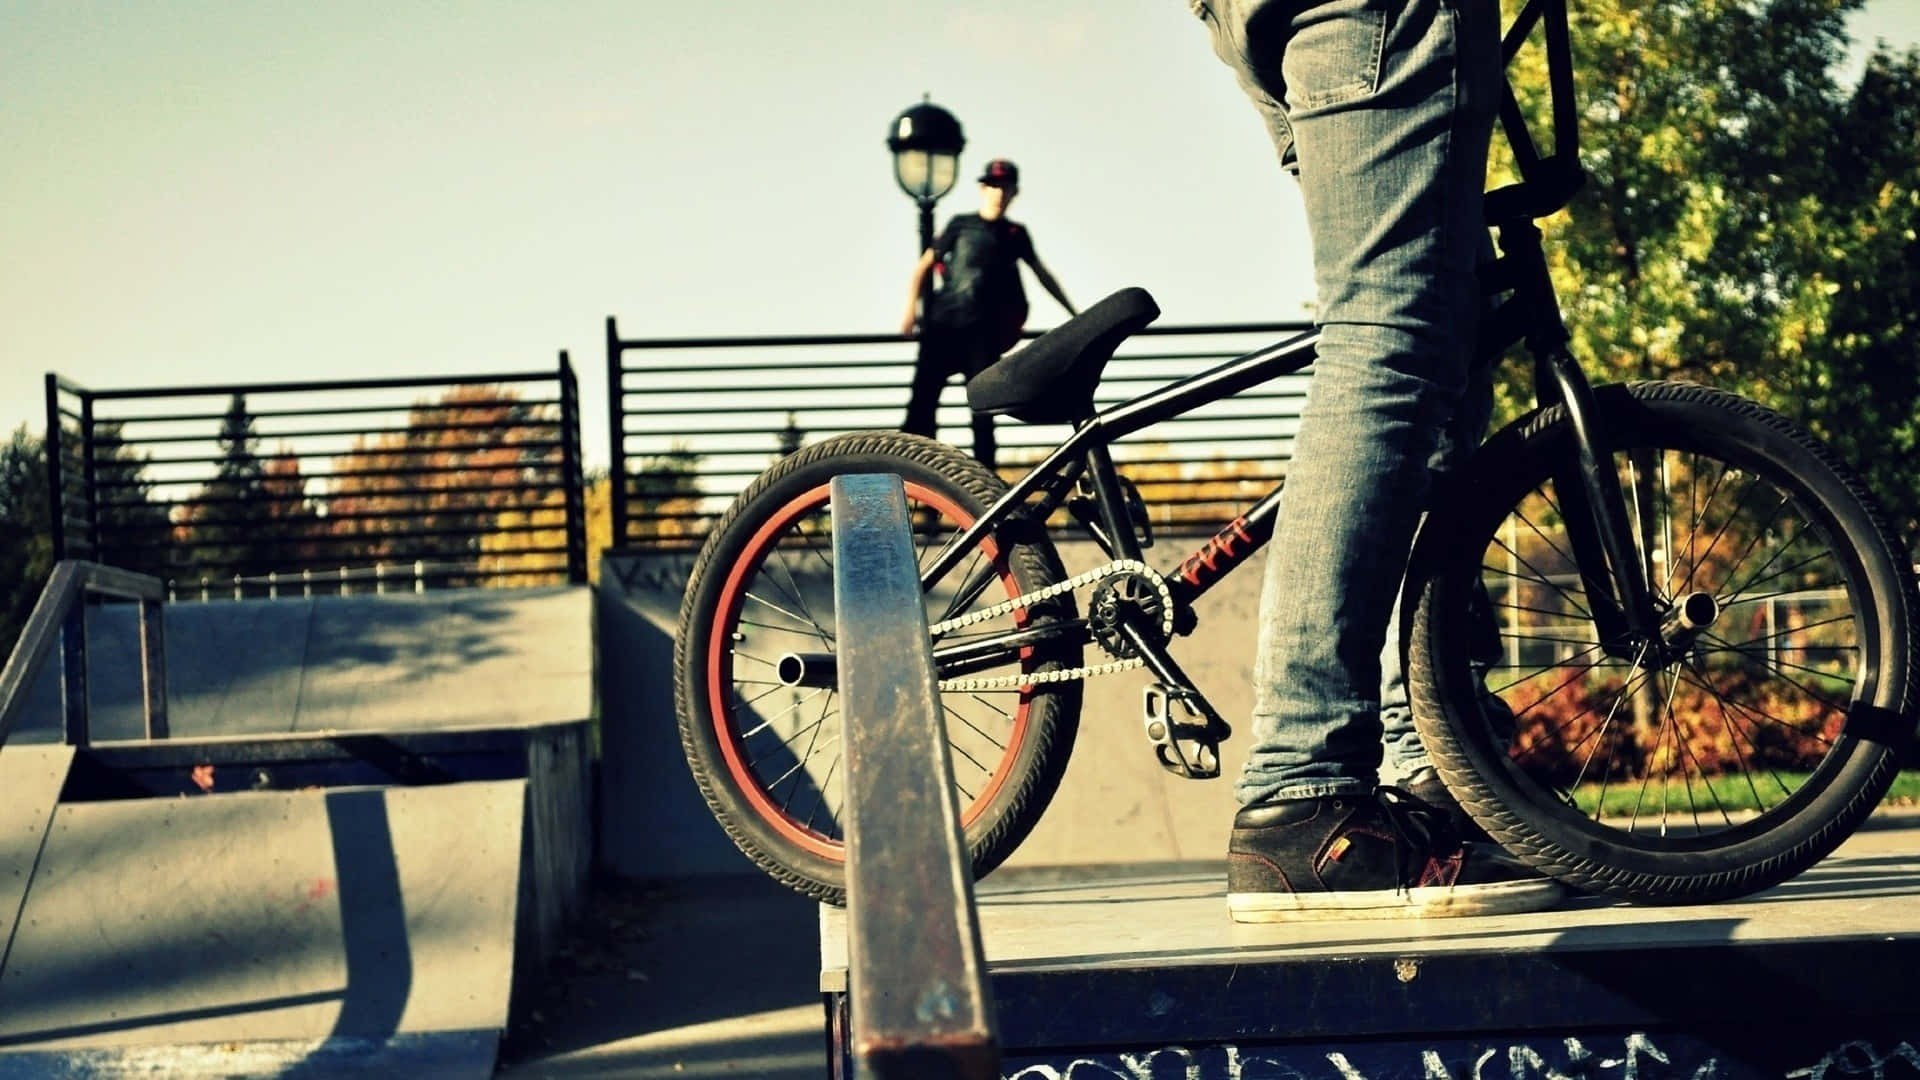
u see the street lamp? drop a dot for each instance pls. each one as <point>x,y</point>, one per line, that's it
<point>926,143</point>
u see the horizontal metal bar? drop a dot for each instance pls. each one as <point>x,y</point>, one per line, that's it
<point>443,471</point>
<point>344,410</point>
<point>151,440</point>
<point>790,340</point>
<point>301,539</point>
<point>896,363</point>
<point>382,451</point>
<point>210,576</point>
<point>318,386</point>
<point>328,498</point>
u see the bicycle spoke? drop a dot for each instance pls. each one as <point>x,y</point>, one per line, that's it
<point>772,689</point>
<point>974,581</point>
<point>1753,541</point>
<point>1625,690</point>
<point>1699,518</point>
<point>1568,681</point>
<point>1724,526</point>
<point>1734,725</point>
<point>1787,725</point>
<point>1539,578</point>
<point>1802,687</point>
<point>1734,593</point>
<point>797,596</point>
<point>997,744</point>
<point>818,632</point>
<point>818,725</point>
<point>1529,522</point>
<point>820,797</point>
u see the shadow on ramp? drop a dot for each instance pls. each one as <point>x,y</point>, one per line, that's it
<point>360,931</point>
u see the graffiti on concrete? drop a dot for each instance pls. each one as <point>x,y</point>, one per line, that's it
<point>651,573</point>
<point>1634,1056</point>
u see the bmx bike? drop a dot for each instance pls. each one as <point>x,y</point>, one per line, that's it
<point>1660,642</point>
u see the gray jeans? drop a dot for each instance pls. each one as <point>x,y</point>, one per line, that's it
<point>1384,109</point>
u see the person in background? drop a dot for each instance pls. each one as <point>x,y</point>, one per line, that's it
<point>980,308</point>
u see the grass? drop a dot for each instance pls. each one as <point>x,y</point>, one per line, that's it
<point>1732,792</point>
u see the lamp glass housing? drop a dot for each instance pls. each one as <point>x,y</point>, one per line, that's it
<point>925,174</point>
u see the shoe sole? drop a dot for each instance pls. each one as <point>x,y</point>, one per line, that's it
<point>1431,902</point>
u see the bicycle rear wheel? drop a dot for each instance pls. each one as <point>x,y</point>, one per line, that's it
<point>764,747</point>
<point>1733,758</point>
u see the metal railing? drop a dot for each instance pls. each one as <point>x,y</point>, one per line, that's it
<point>921,1004</point>
<point>693,420</point>
<point>61,612</point>
<point>218,481</point>
<point>379,579</point>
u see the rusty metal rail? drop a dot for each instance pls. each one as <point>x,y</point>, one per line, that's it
<point>920,1005</point>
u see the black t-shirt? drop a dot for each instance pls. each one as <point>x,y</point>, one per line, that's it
<point>981,263</point>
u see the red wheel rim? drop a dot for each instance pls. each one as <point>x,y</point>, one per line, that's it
<point>720,671</point>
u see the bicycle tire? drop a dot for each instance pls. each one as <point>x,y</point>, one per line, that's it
<point>1836,571</point>
<point>1009,749</point>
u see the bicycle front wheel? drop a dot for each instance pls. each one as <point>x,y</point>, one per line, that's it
<point>1729,756</point>
<point>763,741</point>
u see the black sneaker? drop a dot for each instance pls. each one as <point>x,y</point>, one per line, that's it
<point>1428,788</point>
<point>1387,855</point>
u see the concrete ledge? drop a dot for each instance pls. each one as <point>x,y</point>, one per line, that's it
<point>168,864</point>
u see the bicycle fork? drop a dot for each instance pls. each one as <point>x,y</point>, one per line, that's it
<point>1615,572</point>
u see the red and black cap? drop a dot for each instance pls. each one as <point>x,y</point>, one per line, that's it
<point>1001,173</point>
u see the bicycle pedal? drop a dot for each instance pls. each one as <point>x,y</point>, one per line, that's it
<point>1187,750</point>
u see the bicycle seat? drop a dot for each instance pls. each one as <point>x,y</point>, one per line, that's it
<point>1051,381</point>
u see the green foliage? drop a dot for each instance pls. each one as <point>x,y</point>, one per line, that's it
<point>26,532</point>
<point>1748,222</point>
<point>134,532</point>
<point>26,540</point>
<point>247,520</point>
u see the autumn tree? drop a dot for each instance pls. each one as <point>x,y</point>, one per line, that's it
<point>663,499</point>
<point>436,489</point>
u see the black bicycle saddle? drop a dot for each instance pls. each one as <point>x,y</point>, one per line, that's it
<point>1052,380</point>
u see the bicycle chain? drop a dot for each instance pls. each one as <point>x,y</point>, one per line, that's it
<point>1014,682</point>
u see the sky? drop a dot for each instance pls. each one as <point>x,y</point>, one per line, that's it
<point>199,192</point>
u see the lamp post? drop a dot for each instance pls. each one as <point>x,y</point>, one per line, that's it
<point>926,143</point>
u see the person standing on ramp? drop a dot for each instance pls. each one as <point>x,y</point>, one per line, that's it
<point>980,309</point>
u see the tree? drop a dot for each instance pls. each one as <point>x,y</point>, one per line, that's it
<point>26,537</point>
<point>1748,223</point>
<point>253,518</point>
<point>1862,374</point>
<point>133,530</point>
<point>663,498</point>
<point>436,489</point>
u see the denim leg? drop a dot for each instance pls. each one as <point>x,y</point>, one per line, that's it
<point>1405,754</point>
<point>1385,109</point>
